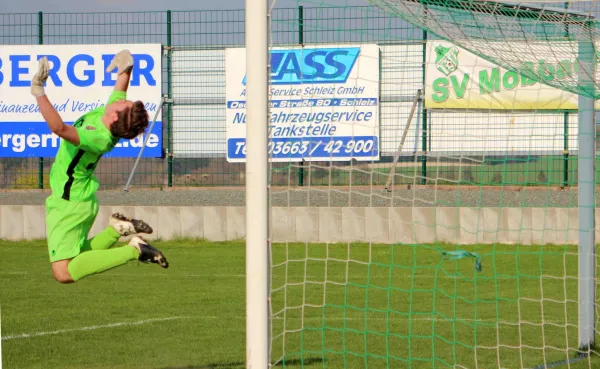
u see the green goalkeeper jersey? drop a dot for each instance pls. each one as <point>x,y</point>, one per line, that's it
<point>72,175</point>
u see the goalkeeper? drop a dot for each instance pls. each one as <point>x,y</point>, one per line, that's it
<point>72,207</point>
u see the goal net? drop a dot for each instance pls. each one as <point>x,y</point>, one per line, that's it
<point>432,184</point>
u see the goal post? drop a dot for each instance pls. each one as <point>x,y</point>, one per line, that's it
<point>586,197</point>
<point>257,243</point>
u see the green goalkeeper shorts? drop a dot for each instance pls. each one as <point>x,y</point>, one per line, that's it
<point>68,224</point>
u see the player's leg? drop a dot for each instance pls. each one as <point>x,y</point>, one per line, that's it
<point>67,225</point>
<point>128,226</point>
<point>60,271</point>
<point>118,225</point>
<point>98,261</point>
<point>105,239</point>
<point>101,258</point>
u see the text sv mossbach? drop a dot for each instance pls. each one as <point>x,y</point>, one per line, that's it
<point>79,83</point>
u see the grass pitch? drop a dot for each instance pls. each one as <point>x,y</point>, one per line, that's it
<point>353,306</point>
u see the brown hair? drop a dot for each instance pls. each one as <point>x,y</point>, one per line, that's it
<point>132,122</point>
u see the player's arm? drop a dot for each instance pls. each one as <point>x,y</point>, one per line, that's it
<point>55,122</point>
<point>122,83</point>
<point>51,116</point>
<point>123,61</point>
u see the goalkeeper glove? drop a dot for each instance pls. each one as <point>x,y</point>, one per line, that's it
<point>123,61</point>
<point>37,83</point>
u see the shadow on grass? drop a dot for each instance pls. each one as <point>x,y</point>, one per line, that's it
<point>239,364</point>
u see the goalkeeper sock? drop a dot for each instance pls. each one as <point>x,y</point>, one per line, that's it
<point>102,241</point>
<point>97,261</point>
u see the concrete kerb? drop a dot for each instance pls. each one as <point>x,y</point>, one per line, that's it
<point>385,225</point>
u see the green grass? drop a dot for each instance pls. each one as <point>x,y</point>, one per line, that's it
<point>388,304</point>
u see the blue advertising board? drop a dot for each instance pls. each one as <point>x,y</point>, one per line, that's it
<point>77,84</point>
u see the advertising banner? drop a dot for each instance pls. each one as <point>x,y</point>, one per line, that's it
<point>323,103</point>
<point>77,83</point>
<point>457,79</point>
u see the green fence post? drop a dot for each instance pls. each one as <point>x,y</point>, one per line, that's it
<point>301,43</point>
<point>169,127</point>
<point>40,160</point>
<point>424,118</point>
<point>566,149</point>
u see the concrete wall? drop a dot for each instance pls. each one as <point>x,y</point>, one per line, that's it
<point>323,224</point>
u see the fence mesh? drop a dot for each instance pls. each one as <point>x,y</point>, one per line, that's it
<point>194,78</point>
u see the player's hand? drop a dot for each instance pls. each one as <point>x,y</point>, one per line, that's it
<point>123,61</point>
<point>37,83</point>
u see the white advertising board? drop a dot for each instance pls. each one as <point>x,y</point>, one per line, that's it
<point>323,103</point>
<point>77,83</point>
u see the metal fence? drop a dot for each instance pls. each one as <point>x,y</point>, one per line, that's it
<point>195,115</point>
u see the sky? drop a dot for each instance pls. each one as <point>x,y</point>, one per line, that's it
<point>57,6</point>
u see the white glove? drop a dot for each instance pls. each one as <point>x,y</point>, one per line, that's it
<point>123,61</point>
<point>37,83</point>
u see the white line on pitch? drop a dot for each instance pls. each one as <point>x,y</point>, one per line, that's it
<point>13,273</point>
<point>177,275</point>
<point>90,328</point>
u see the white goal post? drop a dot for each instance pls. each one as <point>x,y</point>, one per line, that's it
<point>257,247</point>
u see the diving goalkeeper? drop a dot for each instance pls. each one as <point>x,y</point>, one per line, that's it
<point>72,206</point>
